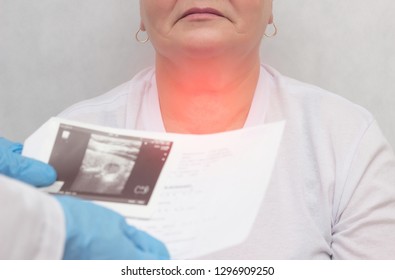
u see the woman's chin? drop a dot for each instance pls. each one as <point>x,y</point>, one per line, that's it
<point>204,46</point>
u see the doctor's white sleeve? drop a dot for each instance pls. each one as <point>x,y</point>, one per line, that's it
<point>32,224</point>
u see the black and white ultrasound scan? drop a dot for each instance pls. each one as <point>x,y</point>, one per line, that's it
<point>96,165</point>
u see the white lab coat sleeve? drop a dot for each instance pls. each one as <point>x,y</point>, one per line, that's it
<point>365,225</point>
<point>32,224</point>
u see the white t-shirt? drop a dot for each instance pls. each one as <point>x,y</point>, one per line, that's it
<point>332,192</point>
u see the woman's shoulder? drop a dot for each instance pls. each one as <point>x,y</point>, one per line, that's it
<point>304,100</point>
<point>111,106</point>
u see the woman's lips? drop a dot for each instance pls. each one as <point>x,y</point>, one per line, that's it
<point>201,13</point>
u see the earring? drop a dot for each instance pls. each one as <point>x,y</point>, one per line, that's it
<point>139,39</point>
<point>274,32</point>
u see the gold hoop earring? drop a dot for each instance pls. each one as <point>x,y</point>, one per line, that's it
<point>139,39</point>
<point>274,32</point>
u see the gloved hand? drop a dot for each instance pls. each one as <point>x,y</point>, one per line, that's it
<point>95,232</point>
<point>30,171</point>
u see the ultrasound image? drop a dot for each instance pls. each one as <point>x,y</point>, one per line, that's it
<point>102,166</point>
<point>107,165</point>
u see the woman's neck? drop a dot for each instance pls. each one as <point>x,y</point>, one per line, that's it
<point>210,96</point>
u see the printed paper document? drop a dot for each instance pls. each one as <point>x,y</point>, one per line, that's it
<point>196,193</point>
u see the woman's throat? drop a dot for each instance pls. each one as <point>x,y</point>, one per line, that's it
<point>204,119</point>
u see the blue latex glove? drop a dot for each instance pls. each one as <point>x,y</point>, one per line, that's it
<point>30,171</point>
<point>95,232</point>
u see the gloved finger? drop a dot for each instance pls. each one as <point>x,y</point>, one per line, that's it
<point>27,170</point>
<point>7,145</point>
<point>147,243</point>
<point>143,255</point>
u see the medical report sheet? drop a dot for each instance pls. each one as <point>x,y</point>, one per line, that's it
<point>196,193</point>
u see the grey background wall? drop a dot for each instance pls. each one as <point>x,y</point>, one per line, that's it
<point>54,53</point>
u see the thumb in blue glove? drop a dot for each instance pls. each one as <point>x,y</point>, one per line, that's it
<point>95,232</point>
<point>30,171</point>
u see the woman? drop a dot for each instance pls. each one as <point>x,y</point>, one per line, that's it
<point>332,193</point>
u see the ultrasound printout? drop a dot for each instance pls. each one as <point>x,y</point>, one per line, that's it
<point>189,191</point>
<point>107,167</point>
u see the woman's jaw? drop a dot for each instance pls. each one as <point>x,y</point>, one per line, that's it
<point>200,30</point>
